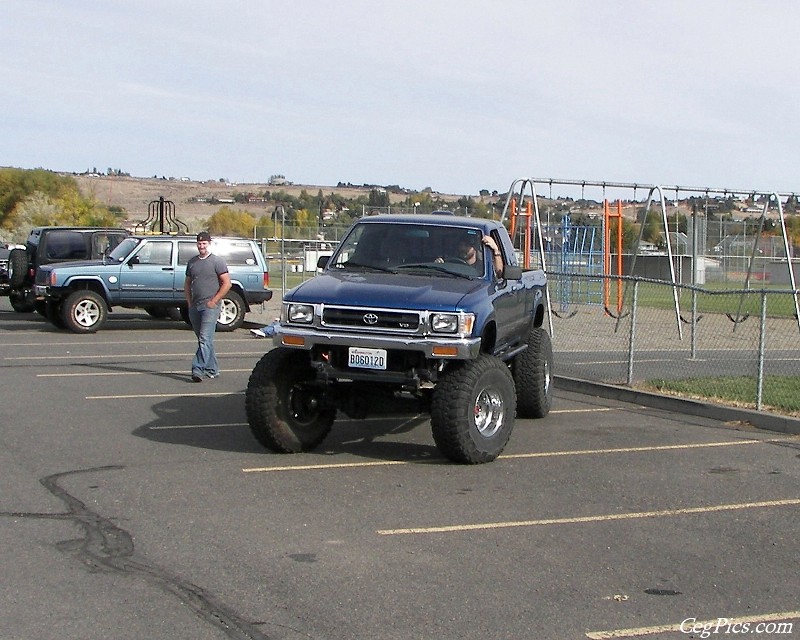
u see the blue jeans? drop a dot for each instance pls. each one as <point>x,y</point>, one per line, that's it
<point>204,323</point>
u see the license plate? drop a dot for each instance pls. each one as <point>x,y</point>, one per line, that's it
<point>359,358</point>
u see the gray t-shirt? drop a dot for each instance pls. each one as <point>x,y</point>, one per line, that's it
<point>204,277</point>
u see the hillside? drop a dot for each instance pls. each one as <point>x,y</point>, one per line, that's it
<point>135,194</point>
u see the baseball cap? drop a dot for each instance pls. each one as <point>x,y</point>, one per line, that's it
<point>204,236</point>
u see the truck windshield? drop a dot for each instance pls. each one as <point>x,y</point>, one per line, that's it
<point>123,249</point>
<point>393,246</point>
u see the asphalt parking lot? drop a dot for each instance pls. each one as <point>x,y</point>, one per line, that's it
<point>136,504</point>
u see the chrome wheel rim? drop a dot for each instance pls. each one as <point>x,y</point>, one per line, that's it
<point>488,412</point>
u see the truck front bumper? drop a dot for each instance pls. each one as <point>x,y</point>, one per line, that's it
<point>433,347</point>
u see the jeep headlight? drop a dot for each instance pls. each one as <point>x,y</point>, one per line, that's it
<point>300,313</point>
<point>459,324</point>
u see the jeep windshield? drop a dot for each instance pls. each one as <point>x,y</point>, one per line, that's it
<point>123,249</point>
<point>424,248</point>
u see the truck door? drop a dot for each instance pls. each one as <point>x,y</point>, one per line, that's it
<point>510,304</point>
<point>148,274</point>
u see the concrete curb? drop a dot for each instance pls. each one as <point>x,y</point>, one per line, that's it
<point>759,419</point>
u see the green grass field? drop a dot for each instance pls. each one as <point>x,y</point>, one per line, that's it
<point>781,394</point>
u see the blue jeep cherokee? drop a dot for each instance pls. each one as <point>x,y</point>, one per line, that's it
<point>148,272</point>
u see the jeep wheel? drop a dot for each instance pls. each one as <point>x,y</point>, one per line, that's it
<point>472,410</point>
<point>84,311</point>
<point>17,267</point>
<point>21,302</point>
<point>156,312</point>
<point>533,376</point>
<point>184,314</point>
<point>52,311</point>
<point>231,312</point>
<point>285,411</point>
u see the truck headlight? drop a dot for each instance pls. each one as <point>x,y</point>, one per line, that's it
<point>300,313</point>
<point>453,323</point>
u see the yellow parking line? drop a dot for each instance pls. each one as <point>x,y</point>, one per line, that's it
<point>197,426</point>
<point>663,447</point>
<point>586,410</point>
<point>633,515</point>
<point>543,454</point>
<point>724,623</point>
<point>314,467</point>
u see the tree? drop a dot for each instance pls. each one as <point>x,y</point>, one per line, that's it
<point>652,228</point>
<point>227,222</point>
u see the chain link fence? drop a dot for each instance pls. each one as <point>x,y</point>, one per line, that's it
<point>736,346</point>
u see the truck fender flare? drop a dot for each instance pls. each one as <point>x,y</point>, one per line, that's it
<point>93,283</point>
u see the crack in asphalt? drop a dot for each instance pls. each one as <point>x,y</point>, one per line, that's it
<point>106,546</point>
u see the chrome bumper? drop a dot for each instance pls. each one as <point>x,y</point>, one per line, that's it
<point>299,338</point>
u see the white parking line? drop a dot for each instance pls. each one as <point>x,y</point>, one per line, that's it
<point>94,343</point>
<point>133,396</point>
<point>633,515</point>
<point>125,373</point>
<point>72,356</point>
<point>637,632</point>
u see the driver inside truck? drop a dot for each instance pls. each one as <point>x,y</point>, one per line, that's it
<point>470,251</point>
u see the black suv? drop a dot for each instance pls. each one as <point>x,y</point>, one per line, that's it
<point>48,245</point>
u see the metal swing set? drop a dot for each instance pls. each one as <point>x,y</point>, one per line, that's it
<point>522,210</point>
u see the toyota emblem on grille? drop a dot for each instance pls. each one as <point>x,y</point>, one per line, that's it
<point>370,318</point>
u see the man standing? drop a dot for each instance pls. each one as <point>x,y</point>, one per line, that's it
<point>207,281</point>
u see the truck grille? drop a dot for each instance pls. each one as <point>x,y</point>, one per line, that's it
<point>371,319</point>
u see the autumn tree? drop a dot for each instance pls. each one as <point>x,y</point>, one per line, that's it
<point>229,222</point>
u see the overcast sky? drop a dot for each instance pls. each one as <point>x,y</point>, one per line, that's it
<point>458,95</point>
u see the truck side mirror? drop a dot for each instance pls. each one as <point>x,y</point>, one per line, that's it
<point>322,262</point>
<point>512,272</point>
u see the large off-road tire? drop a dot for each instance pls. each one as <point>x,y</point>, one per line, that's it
<point>17,267</point>
<point>287,413</point>
<point>84,311</point>
<point>231,312</point>
<point>21,301</point>
<point>533,376</point>
<point>472,410</point>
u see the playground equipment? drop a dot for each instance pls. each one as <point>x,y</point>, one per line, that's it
<point>607,217</point>
<point>162,213</point>
<point>522,203</point>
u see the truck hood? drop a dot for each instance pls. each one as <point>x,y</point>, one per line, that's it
<point>391,291</point>
<point>72,264</point>
<point>94,267</point>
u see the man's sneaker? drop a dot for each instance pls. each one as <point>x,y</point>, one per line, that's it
<point>211,376</point>
<point>258,333</point>
<point>196,377</point>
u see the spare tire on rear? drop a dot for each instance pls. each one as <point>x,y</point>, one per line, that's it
<point>17,267</point>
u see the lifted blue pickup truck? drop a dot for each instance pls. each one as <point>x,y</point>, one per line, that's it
<point>409,308</point>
